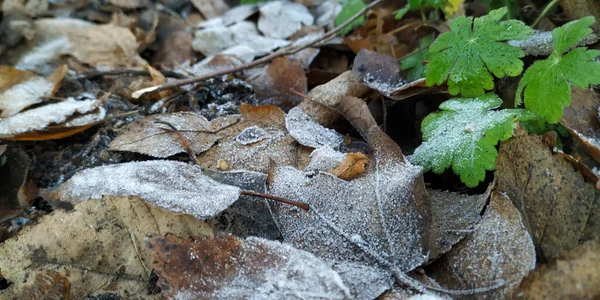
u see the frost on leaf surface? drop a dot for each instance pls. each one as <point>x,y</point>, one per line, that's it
<point>226,267</point>
<point>464,136</point>
<point>467,54</point>
<point>546,85</point>
<point>171,185</point>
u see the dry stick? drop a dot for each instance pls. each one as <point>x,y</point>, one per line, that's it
<point>263,60</point>
<point>190,152</point>
<point>127,72</point>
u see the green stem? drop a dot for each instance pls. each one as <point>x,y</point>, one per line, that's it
<point>544,12</point>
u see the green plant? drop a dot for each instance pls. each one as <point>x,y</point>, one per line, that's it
<point>446,6</point>
<point>464,134</point>
<point>349,9</point>
<point>546,85</point>
<point>467,54</point>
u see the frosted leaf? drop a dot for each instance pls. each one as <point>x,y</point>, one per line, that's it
<point>540,43</point>
<point>282,19</point>
<point>41,117</point>
<point>148,136</point>
<point>16,96</point>
<point>365,282</point>
<point>324,159</point>
<point>172,185</point>
<point>251,135</point>
<point>308,132</point>
<point>226,267</point>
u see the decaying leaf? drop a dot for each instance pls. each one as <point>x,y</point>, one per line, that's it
<point>353,165</point>
<point>52,121</point>
<point>582,120</point>
<point>500,252</point>
<point>378,219</point>
<point>259,136</point>
<point>48,285</point>
<point>559,208</point>
<point>152,137</point>
<point>226,267</point>
<point>20,89</point>
<point>379,72</point>
<point>281,19</point>
<point>109,255</point>
<point>305,129</point>
<point>172,185</point>
<point>273,86</point>
<point>573,276</point>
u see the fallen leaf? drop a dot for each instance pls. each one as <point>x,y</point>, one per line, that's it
<point>581,118</point>
<point>172,185</point>
<point>239,152</point>
<point>281,19</point>
<point>559,208</point>
<point>210,8</point>
<point>129,4</point>
<point>499,253</point>
<point>148,136</point>
<point>572,276</point>
<point>353,165</point>
<point>20,89</point>
<point>175,50</point>
<point>305,129</point>
<point>226,267</point>
<point>381,219</point>
<point>213,40</point>
<point>48,285</point>
<point>109,256</point>
<point>274,86</point>
<point>52,121</point>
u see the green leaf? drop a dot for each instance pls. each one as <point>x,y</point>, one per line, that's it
<point>421,4</point>
<point>349,9</point>
<point>546,85</point>
<point>464,134</point>
<point>464,55</point>
<point>415,63</point>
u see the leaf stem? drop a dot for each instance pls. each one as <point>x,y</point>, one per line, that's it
<point>544,12</point>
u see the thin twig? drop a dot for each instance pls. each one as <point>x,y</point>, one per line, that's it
<point>263,60</point>
<point>301,205</point>
<point>184,141</point>
<point>128,72</point>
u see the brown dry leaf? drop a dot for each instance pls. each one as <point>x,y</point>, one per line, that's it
<point>559,208</point>
<point>577,9</point>
<point>149,136</point>
<point>52,121</point>
<point>14,165</point>
<point>573,276</point>
<point>226,267</point>
<point>259,136</point>
<point>498,253</point>
<point>129,4</point>
<point>175,50</point>
<point>104,45</point>
<point>48,285</point>
<point>172,185</point>
<point>20,89</point>
<point>353,165</point>
<point>109,256</point>
<point>582,120</point>
<point>125,87</point>
<point>273,86</point>
<point>143,26</point>
<point>380,219</point>
<point>210,8</point>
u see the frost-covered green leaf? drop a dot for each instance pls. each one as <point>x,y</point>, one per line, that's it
<point>349,9</point>
<point>464,134</point>
<point>467,54</point>
<point>415,62</point>
<point>546,85</point>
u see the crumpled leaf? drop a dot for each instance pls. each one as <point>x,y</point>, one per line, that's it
<point>172,185</point>
<point>499,252</point>
<point>376,219</point>
<point>474,48</point>
<point>226,267</point>
<point>559,208</point>
<point>148,136</point>
<point>281,19</point>
<point>108,255</point>
<point>52,121</point>
<point>572,276</point>
<point>464,136</point>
